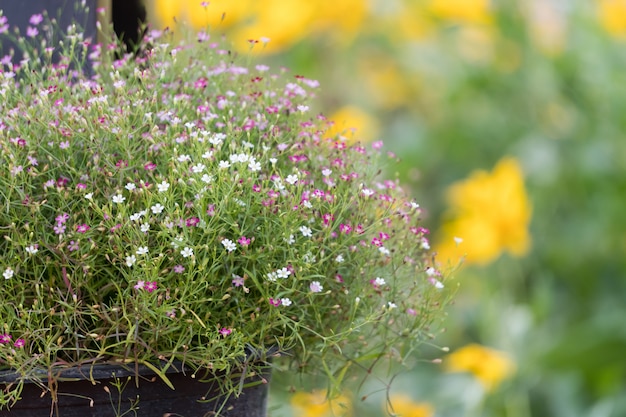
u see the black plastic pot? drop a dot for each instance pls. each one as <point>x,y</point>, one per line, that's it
<point>113,390</point>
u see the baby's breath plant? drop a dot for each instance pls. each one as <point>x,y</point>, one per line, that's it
<point>186,206</point>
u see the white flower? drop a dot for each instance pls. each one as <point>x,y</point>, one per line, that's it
<point>290,240</point>
<point>157,208</point>
<point>279,184</point>
<point>142,250</point>
<point>306,231</point>
<point>32,249</point>
<point>271,276</point>
<point>177,242</point>
<point>130,186</point>
<point>184,158</point>
<point>198,168</point>
<point>254,166</point>
<point>326,172</point>
<point>217,139</point>
<point>145,227</point>
<point>285,301</point>
<point>384,251</point>
<point>307,204</point>
<point>89,196</point>
<point>8,273</point>
<point>339,259</point>
<point>367,192</point>
<point>207,155</point>
<point>273,160</point>
<point>118,198</point>
<point>135,216</point>
<point>229,245</point>
<point>391,305</point>
<point>163,187</point>
<point>414,205</point>
<point>206,178</point>
<point>315,286</point>
<point>438,284</point>
<point>130,260</point>
<point>292,179</point>
<point>379,281</point>
<point>186,252</point>
<point>430,271</point>
<point>458,240</point>
<point>223,164</point>
<point>283,273</point>
<point>302,109</point>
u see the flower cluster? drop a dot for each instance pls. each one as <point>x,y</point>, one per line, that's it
<point>182,205</point>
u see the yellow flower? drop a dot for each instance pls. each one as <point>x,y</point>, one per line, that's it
<point>403,406</point>
<point>489,366</point>
<point>194,14</point>
<point>462,11</point>
<point>283,22</point>
<point>385,83</point>
<point>316,404</point>
<point>490,213</point>
<point>353,123</point>
<point>612,15</point>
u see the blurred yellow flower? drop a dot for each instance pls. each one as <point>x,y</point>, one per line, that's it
<point>283,22</point>
<point>403,406</point>
<point>612,15</point>
<point>462,11</point>
<point>386,85</point>
<point>490,213</point>
<point>316,404</point>
<point>354,124</point>
<point>489,366</point>
<point>195,14</point>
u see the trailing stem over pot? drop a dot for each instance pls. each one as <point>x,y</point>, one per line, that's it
<point>186,205</point>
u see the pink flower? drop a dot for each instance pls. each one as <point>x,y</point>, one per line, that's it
<point>140,285</point>
<point>225,332</point>
<point>19,343</point>
<point>273,302</point>
<point>151,286</point>
<point>31,32</point>
<point>192,221</point>
<point>82,228</point>
<point>150,166</point>
<point>36,19</point>
<point>345,228</point>
<point>179,269</point>
<point>62,218</point>
<point>5,338</point>
<point>243,241</point>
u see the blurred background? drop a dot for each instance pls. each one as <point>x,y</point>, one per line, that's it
<point>509,119</point>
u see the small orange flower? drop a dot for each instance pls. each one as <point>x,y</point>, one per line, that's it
<point>353,123</point>
<point>317,404</point>
<point>403,406</point>
<point>489,366</point>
